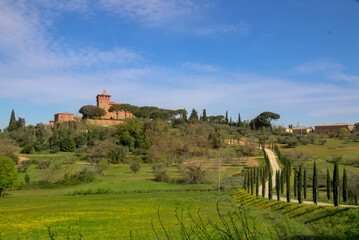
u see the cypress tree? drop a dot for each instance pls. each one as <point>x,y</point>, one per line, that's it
<point>345,186</point>
<point>282,180</point>
<point>226,117</point>
<point>295,182</point>
<point>245,181</point>
<point>336,195</point>
<point>315,183</point>
<point>239,120</point>
<point>270,185</point>
<point>277,184</point>
<point>300,185</point>
<point>204,117</point>
<point>328,184</point>
<point>248,181</point>
<point>263,182</point>
<point>13,123</point>
<point>288,182</point>
<point>257,182</point>
<point>252,181</point>
<point>305,184</point>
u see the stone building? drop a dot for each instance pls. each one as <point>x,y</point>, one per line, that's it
<point>298,130</point>
<point>104,101</point>
<point>62,117</point>
<point>333,128</point>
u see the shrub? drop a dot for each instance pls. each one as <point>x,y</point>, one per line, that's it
<point>102,166</point>
<point>135,167</point>
<point>44,165</point>
<point>24,166</point>
<point>194,174</point>
<point>54,149</point>
<point>84,176</point>
<point>67,145</point>
<point>332,134</point>
<point>68,161</point>
<point>27,178</point>
<point>160,173</point>
<point>28,148</point>
<point>291,141</point>
<point>57,166</point>
<point>322,141</point>
<point>337,158</point>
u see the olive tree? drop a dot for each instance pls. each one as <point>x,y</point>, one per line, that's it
<point>8,174</point>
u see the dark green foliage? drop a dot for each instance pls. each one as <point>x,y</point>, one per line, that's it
<point>263,120</point>
<point>288,181</point>
<point>252,181</point>
<point>90,111</point>
<point>131,134</point>
<point>257,182</point>
<point>345,185</point>
<point>336,185</point>
<point>245,181</point>
<point>305,184</point>
<point>193,118</point>
<point>215,139</point>
<point>67,144</point>
<point>248,181</point>
<point>43,165</point>
<point>328,185</point>
<point>204,117</point>
<point>282,180</point>
<point>226,119</point>
<point>27,178</point>
<point>24,166</point>
<point>277,184</point>
<point>83,176</point>
<point>295,183</point>
<point>263,182</point>
<point>13,123</point>
<point>270,184</point>
<point>239,123</point>
<point>300,185</point>
<point>315,184</point>
<point>28,148</point>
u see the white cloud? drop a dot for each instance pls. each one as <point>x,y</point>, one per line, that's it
<point>241,28</point>
<point>319,66</point>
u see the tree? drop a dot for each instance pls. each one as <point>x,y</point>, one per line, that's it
<point>345,186</point>
<point>90,111</point>
<point>251,181</point>
<point>353,187</point>
<point>239,123</point>
<point>300,185</point>
<point>336,185</point>
<point>193,118</point>
<point>288,181</point>
<point>117,108</point>
<point>13,123</point>
<point>21,122</point>
<point>263,182</point>
<point>102,166</point>
<point>277,184</point>
<point>315,183</point>
<point>204,117</point>
<point>8,174</point>
<point>356,126</point>
<point>245,181</point>
<point>226,119</point>
<point>270,185</point>
<point>257,182</point>
<point>295,183</point>
<point>27,178</point>
<point>264,120</point>
<point>305,183</point>
<point>135,167</point>
<point>194,174</point>
<point>328,184</point>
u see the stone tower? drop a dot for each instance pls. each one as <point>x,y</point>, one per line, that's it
<point>103,101</point>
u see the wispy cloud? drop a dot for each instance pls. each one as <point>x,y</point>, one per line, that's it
<point>319,66</point>
<point>241,28</point>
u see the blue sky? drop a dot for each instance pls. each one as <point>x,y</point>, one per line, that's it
<point>298,58</point>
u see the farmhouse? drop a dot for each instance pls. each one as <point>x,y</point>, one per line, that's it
<point>333,128</point>
<point>299,130</point>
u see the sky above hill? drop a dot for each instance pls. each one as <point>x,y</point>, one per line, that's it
<point>298,58</point>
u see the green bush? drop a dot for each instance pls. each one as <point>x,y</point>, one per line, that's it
<point>83,176</point>
<point>135,167</point>
<point>28,148</point>
<point>160,173</point>
<point>67,145</point>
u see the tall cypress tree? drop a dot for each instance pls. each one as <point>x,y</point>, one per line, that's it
<point>248,181</point>
<point>226,120</point>
<point>257,182</point>
<point>300,185</point>
<point>282,180</point>
<point>345,186</point>
<point>328,184</point>
<point>336,185</point>
<point>13,123</point>
<point>295,182</point>
<point>252,181</point>
<point>204,117</point>
<point>288,181</point>
<point>315,183</point>
<point>239,123</point>
<point>263,182</point>
<point>245,181</point>
<point>277,184</point>
<point>270,185</point>
<point>305,184</point>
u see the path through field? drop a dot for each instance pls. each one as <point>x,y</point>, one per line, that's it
<point>275,167</point>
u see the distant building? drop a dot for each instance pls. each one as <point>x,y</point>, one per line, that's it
<point>62,117</point>
<point>298,130</point>
<point>333,128</point>
<point>104,102</point>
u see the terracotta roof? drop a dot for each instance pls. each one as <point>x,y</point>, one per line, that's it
<point>66,113</point>
<point>334,124</point>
